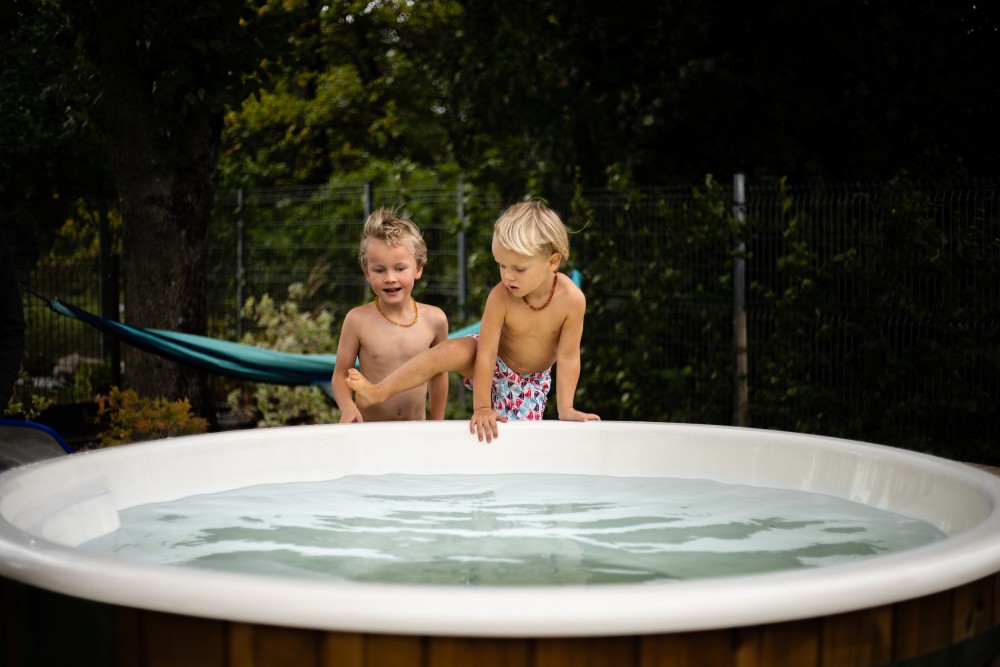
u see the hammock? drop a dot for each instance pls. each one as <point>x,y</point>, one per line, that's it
<point>221,357</point>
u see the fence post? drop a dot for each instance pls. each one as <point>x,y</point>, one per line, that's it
<point>369,196</point>
<point>462,268</point>
<point>108,289</point>
<point>461,251</point>
<point>740,399</point>
<point>369,204</point>
<point>240,263</point>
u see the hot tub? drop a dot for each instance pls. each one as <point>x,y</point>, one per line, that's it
<point>942,597</point>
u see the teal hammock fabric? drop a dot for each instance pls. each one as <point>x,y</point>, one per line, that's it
<point>223,357</point>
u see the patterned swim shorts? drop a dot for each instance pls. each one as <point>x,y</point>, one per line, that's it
<point>517,396</point>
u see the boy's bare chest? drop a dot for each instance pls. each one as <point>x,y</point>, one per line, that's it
<point>383,348</point>
<point>531,326</point>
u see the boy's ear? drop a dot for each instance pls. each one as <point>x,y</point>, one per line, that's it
<point>420,271</point>
<point>555,260</point>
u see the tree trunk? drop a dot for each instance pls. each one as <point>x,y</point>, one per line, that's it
<point>163,150</point>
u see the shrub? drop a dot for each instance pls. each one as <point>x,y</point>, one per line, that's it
<point>286,327</point>
<point>129,418</point>
<point>25,402</point>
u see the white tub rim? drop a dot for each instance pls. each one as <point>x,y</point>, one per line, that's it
<point>971,551</point>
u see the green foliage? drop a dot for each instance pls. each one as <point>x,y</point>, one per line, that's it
<point>886,337</point>
<point>657,292</point>
<point>68,269</point>
<point>871,311</point>
<point>288,233</point>
<point>128,418</point>
<point>25,403</point>
<point>90,379</point>
<point>351,93</point>
<point>49,124</point>
<point>286,328</point>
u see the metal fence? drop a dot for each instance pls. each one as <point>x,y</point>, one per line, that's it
<point>822,263</point>
<point>886,297</point>
<point>265,241</point>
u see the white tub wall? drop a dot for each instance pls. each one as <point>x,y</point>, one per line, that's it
<point>174,468</point>
<point>167,470</point>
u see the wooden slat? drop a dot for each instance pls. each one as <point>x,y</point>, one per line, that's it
<point>735,647</point>
<point>268,646</point>
<point>342,649</point>
<point>972,609</point>
<point>857,639</point>
<point>14,622</point>
<point>587,652</point>
<point>473,652</point>
<point>793,644</point>
<point>996,610</point>
<point>169,640</point>
<point>240,645</point>
<point>394,651</point>
<point>921,626</point>
<point>127,634</point>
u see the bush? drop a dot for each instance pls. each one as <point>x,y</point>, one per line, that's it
<point>128,418</point>
<point>287,328</point>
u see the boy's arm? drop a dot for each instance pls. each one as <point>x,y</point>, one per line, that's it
<point>439,383</point>
<point>347,355</point>
<point>568,363</point>
<point>484,418</point>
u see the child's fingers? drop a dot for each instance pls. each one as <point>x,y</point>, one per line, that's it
<point>485,426</point>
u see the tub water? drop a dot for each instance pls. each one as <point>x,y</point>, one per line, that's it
<point>865,611</point>
<point>508,530</point>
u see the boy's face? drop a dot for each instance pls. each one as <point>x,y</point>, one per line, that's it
<point>391,271</point>
<point>523,275</point>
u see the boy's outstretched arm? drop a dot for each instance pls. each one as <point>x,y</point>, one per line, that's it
<point>568,364</point>
<point>347,354</point>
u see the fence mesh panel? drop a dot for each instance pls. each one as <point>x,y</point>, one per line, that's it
<point>871,308</point>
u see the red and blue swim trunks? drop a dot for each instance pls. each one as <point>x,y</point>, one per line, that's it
<point>517,396</point>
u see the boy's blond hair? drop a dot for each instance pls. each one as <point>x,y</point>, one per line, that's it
<point>532,229</point>
<point>385,226</point>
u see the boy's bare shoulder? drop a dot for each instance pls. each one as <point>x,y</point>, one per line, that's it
<point>359,317</point>
<point>363,311</point>
<point>575,297</point>
<point>436,319</point>
<point>432,313</point>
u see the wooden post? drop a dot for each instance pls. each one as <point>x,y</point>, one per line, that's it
<point>740,400</point>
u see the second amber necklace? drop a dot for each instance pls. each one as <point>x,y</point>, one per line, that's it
<point>547,301</point>
<point>416,313</point>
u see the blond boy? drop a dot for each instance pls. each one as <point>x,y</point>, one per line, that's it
<point>533,319</point>
<point>385,333</point>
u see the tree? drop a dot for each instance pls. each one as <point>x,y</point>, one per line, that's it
<point>667,92</point>
<point>553,96</point>
<point>53,153</point>
<point>352,93</point>
<point>167,70</point>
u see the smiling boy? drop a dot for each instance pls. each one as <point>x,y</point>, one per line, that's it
<point>383,334</point>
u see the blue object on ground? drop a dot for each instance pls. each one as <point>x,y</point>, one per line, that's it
<point>23,442</point>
